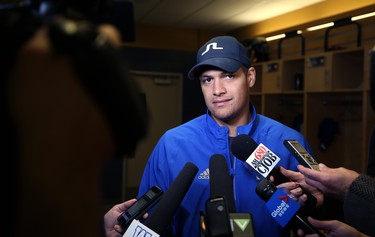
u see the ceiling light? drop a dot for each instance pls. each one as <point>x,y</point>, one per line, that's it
<point>346,20</point>
<point>275,37</point>
<point>318,27</point>
<point>356,18</point>
<point>285,35</point>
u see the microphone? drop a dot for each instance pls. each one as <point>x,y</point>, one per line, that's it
<point>221,200</point>
<point>261,161</point>
<point>221,184</point>
<point>256,158</point>
<point>161,216</point>
<point>217,221</point>
<point>283,207</point>
<point>221,217</point>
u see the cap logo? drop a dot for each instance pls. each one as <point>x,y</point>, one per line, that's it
<point>213,46</point>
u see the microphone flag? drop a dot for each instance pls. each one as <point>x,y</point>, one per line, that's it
<point>138,229</point>
<point>282,207</point>
<point>263,160</point>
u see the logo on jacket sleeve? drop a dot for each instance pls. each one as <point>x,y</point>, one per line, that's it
<point>205,174</point>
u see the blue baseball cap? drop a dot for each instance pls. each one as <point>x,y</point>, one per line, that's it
<point>224,52</point>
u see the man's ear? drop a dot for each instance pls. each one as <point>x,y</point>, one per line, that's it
<point>251,76</point>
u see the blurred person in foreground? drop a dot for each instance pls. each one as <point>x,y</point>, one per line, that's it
<point>68,106</point>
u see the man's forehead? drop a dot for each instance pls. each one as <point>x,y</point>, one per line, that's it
<point>215,71</point>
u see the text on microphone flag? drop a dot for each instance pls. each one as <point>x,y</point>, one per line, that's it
<point>263,160</point>
<point>281,207</point>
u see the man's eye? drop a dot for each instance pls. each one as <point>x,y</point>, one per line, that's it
<point>229,76</point>
<point>206,80</point>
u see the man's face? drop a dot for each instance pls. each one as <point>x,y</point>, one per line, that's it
<point>227,94</point>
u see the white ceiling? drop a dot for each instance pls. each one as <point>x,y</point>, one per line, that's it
<point>217,15</point>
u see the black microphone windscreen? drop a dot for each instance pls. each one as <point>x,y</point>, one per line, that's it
<point>242,146</point>
<point>221,181</point>
<point>265,189</point>
<point>161,216</point>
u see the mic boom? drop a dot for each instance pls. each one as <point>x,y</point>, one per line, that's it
<point>170,201</point>
<point>220,181</point>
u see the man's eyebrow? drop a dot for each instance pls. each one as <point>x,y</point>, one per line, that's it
<point>205,76</point>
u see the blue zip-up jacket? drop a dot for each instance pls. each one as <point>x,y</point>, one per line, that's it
<point>196,141</point>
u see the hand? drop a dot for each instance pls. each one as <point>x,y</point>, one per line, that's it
<point>332,182</point>
<point>111,33</point>
<point>111,226</point>
<point>299,181</point>
<point>332,228</point>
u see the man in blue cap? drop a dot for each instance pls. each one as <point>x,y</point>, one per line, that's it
<point>226,77</point>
